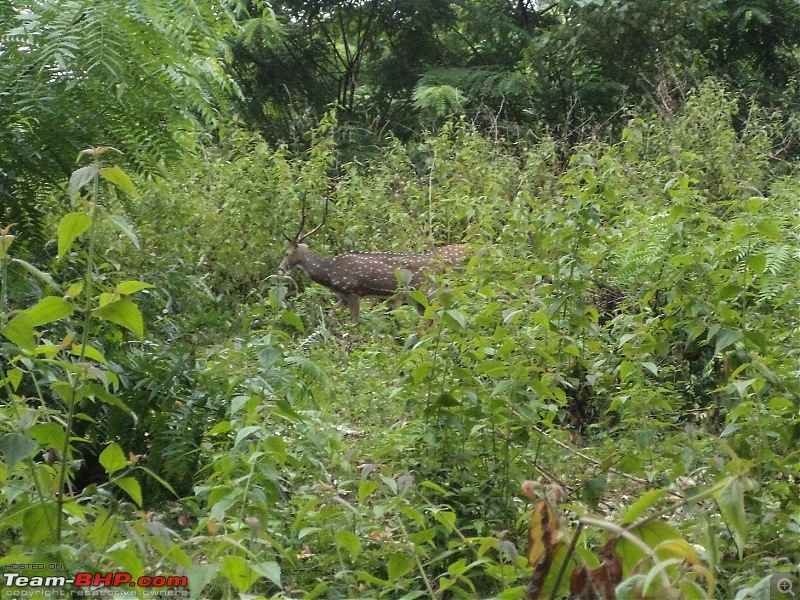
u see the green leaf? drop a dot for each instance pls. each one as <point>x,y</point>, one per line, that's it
<point>236,570</point>
<point>711,544</point>
<point>126,288</point>
<point>349,541</point>
<point>270,569</point>
<point>757,263</point>
<point>317,592</point>
<point>426,536</point>
<point>128,559</point>
<point>757,338</point>
<point>20,329</point>
<point>244,432</point>
<point>41,275</point>
<point>101,529</point>
<point>593,489</point>
<point>630,588</point>
<point>754,204</point>
<point>132,488</point>
<point>641,505</point>
<point>70,227</point>
<point>446,518</point>
<point>739,230</point>
<point>124,313</point>
<point>221,427</point>
<point>88,352</point>
<point>119,178</point>
<point>49,435</point>
<point>420,372</point>
<point>81,177</point>
<point>14,377</point>
<point>112,459</point>
<point>49,309</point>
<point>770,229</point>
<point>626,368</point>
<point>95,390</point>
<point>291,318</point>
<point>366,488</point>
<point>16,447</point>
<point>726,338</point>
<point>398,565</point>
<point>157,478</point>
<point>650,366</point>
<point>513,593</point>
<point>419,297</point>
<point>127,229</point>
<point>199,577</point>
<point>458,317</point>
<point>730,500</point>
<point>38,524</point>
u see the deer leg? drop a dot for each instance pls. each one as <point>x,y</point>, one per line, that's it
<point>354,304</point>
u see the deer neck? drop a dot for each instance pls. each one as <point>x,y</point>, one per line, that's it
<point>317,267</point>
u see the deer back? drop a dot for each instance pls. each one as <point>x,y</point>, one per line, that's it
<point>375,273</point>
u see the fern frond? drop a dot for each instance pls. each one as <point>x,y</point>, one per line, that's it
<point>133,75</point>
<point>479,82</point>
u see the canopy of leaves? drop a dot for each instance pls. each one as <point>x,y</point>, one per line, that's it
<point>553,65</point>
<point>139,76</point>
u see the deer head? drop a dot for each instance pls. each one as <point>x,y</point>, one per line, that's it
<point>297,253</point>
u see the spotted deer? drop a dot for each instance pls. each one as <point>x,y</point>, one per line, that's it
<point>354,275</point>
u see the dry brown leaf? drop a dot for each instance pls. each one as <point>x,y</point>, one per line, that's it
<point>585,585</point>
<point>543,544</point>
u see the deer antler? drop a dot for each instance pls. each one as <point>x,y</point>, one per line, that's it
<point>299,238</point>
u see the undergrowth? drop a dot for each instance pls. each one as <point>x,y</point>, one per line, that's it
<point>625,331</point>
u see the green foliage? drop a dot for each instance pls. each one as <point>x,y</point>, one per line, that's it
<point>77,72</point>
<point>565,66</point>
<point>625,329</point>
<point>53,378</point>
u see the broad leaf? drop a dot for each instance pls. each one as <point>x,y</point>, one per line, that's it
<point>41,275</point>
<point>119,178</point>
<point>726,338</point>
<point>291,318</point>
<point>132,488</point>
<point>80,178</point>
<point>126,228</point>
<point>398,565</point>
<point>124,313</point>
<point>112,459</point>
<point>126,288</point>
<point>70,227</point>
<point>641,505</point>
<point>349,541</point>
<point>88,352</point>
<point>49,435</point>
<point>199,577</point>
<point>20,329</point>
<point>236,570</point>
<point>730,500</point>
<point>270,569</point>
<point>16,447</point>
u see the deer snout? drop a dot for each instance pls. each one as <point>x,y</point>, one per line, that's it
<point>283,267</point>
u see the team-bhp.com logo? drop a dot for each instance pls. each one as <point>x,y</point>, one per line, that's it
<point>89,580</point>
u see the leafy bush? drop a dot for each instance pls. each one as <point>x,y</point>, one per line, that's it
<point>624,331</point>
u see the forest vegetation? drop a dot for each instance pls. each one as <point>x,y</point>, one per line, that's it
<point>601,402</point>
